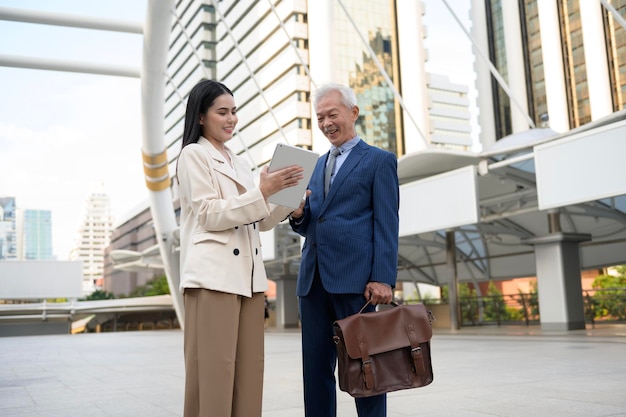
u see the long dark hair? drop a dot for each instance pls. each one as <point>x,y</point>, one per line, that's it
<point>201,97</point>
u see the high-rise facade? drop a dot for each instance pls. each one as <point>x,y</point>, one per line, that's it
<point>8,228</point>
<point>449,115</point>
<point>564,62</point>
<point>36,235</point>
<point>272,55</point>
<point>93,237</point>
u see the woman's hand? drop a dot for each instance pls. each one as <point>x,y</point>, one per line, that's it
<point>272,182</point>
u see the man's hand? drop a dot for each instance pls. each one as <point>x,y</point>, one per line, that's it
<point>378,293</point>
<point>297,213</point>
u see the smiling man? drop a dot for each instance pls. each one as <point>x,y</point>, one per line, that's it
<point>350,222</point>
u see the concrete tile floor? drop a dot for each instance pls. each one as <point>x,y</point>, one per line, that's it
<point>487,371</point>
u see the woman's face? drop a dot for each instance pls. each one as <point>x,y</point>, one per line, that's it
<point>219,121</point>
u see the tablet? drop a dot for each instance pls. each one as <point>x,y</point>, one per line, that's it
<point>284,156</point>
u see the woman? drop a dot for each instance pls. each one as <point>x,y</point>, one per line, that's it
<point>223,278</point>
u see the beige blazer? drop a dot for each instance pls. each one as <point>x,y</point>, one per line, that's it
<point>220,219</point>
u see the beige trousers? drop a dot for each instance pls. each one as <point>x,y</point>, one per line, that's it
<point>224,354</point>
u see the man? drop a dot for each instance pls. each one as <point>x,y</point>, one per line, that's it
<point>350,253</point>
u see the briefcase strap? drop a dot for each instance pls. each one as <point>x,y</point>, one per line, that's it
<point>366,364</point>
<point>416,350</point>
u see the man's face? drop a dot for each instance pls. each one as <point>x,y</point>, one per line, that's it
<point>336,120</point>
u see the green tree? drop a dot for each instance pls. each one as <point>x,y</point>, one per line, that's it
<point>100,295</point>
<point>529,302</point>
<point>468,303</point>
<point>609,299</point>
<point>157,286</point>
<point>495,307</point>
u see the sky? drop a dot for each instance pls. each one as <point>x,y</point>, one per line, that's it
<point>66,135</point>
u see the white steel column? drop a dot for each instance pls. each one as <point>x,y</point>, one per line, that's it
<point>553,65</point>
<point>412,73</point>
<point>484,101</point>
<point>155,48</point>
<point>515,64</point>
<point>596,59</point>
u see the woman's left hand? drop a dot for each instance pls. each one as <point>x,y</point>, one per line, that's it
<point>272,182</point>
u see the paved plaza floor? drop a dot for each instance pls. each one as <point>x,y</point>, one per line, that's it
<point>517,371</point>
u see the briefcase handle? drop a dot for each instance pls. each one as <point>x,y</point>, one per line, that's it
<point>393,304</point>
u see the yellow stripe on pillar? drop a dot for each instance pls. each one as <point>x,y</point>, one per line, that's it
<point>156,170</point>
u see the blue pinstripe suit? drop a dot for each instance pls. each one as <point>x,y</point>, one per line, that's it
<point>351,239</point>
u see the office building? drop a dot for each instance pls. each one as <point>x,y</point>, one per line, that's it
<point>8,228</point>
<point>564,62</point>
<point>272,57</point>
<point>134,234</point>
<point>449,114</point>
<point>93,237</point>
<point>36,235</point>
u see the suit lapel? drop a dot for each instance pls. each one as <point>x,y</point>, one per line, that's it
<point>354,157</point>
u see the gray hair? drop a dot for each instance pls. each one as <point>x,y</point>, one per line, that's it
<point>348,98</point>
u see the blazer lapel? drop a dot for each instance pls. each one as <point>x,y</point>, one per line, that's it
<point>221,165</point>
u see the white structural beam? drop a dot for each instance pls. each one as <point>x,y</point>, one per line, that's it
<point>597,65</point>
<point>484,101</point>
<point>321,48</point>
<point>553,65</point>
<point>154,148</point>
<point>67,20</point>
<point>516,76</point>
<point>412,72</point>
<point>67,66</point>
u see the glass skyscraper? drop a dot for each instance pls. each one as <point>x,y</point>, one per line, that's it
<point>565,63</point>
<point>8,228</point>
<point>37,235</point>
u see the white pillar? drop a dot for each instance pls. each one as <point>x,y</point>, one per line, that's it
<point>155,48</point>
<point>287,314</point>
<point>596,63</point>
<point>557,258</point>
<point>484,101</point>
<point>553,66</point>
<point>515,65</point>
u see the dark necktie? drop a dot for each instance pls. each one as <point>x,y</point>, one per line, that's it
<point>329,169</point>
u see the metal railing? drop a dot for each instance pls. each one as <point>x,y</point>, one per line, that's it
<point>600,305</point>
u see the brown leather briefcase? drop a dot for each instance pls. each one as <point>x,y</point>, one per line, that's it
<point>384,351</point>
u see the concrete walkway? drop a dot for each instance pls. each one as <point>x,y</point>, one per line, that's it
<point>516,371</point>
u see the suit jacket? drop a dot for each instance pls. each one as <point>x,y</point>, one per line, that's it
<point>352,234</point>
<point>221,215</point>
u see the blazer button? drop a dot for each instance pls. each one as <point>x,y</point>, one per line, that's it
<point>320,220</point>
<point>236,252</point>
<point>236,227</point>
<point>256,251</point>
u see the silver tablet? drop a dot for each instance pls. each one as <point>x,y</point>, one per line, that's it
<point>284,156</point>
